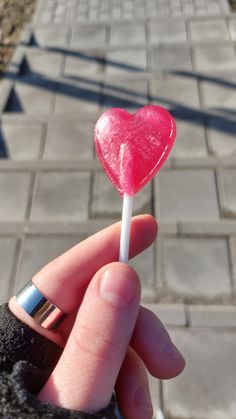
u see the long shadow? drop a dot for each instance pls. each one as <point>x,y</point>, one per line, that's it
<point>203,77</point>
<point>4,154</point>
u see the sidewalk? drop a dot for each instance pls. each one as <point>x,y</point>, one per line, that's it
<point>77,59</point>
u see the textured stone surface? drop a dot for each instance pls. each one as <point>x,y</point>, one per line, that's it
<point>144,266</point>
<point>213,316</point>
<point>187,195</point>
<point>45,63</point>
<point>84,63</point>
<point>170,315</point>
<point>88,36</point>
<point>21,141</point>
<point>14,189</point>
<point>33,98</point>
<point>38,251</point>
<point>7,253</point>
<point>227,182</point>
<point>106,201</point>
<point>69,140</point>
<point>175,92</point>
<point>77,98</point>
<point>217,58</point>
<point>196,267</point>
<point>127,33</point>
<point>205,390</point>
<point>209,30</point>
<point>220,92</point>
<point>171,58</point>
<point>221,136</point>
<point>126,94</point>
<point>191,139</point>
<point>167,32</point>
<point>126,61</point>
<point>61,196</point>
<point>51,36</point>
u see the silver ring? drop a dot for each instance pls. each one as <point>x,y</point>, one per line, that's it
<point>39,307</point>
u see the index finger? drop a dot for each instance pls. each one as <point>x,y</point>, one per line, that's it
<point>64,280</point>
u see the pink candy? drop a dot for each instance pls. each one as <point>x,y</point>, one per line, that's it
<point>132,148</point>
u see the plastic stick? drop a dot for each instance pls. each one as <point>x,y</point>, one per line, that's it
<point>125,228</point>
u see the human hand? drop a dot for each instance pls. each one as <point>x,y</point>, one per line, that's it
<point>109,339</point>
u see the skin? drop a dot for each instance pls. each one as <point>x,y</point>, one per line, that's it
<point>109,340</point>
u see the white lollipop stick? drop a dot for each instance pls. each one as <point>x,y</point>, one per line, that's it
<point>125,228</point>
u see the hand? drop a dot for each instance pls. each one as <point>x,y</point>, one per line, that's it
<point>109,339</point>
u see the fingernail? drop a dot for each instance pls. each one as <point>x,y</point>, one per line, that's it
<point>142,399</point>
<point>171,350</point>
<point>118,286</point>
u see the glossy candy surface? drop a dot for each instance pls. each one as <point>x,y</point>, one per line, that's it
<point>132,148</point>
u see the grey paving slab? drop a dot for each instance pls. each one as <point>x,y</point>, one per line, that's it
<point>84,64</point>
<point>215,59</point>
<point>205,390</point>
<point>227,188</point>
<point>84,36</point>
<point>212,316</point>
<point>232,29</point>
<point>191,139</point>
<point>164,58</point>
<point>232,246</point>
<point>144,266</point>
<point>106,201</point>
<point>167,32</point>
<point>127,33</point>
<point>14,189</point>
<point>125,94</point>
<point>197,268</point>
<point>22,141</point>
<point>44,63</point>
<point>209,30</point>
<point>33,97</point>
<point>37,251</point>
<point>220,92</point>
<point>119,62</point>
<point>53,36</point>
<point>175,91</point>
<point>61,196</point>
<point>80,97</point>
<point>221,137</point>
<point>69,141</point>
<point>7,254</point>
<point>187,195</point>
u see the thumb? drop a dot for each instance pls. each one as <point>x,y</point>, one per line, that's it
<point>85,375</point>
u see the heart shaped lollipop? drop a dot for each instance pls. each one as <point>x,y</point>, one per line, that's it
<point>132,148</point>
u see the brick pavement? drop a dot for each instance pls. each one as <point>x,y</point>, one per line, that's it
<point>77,59</point>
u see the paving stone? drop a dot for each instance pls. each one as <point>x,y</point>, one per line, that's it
<point>77,98</point>
<point>212,316</point>
<point>221,136</point>
<point>227,182</point>
<point>45,63</point>
<point>220,93</point>
<point>232,246</point>
<point>144,266</point>
<point>7,253</point>
<point>33,97</point>
<point>167,32</point>
<point>232,29</point>
<point>215,59</point>
<point>106,201</point>
<point>84,36</point>
<point>127,33</point>
<point>38,251</point>
<point>51,36</point>
<point>126,61</point>
<point>171,58</point>
<point>14,189</point>
<point>61,196</point>
<point>21,141</point>
<point>196,268</point>
<point>69,141</point>
<point>84,64</point>
<point>126,94</point>
<point>205,390</point>
<point>190,140</point>
<point>175,91</point>
<point>188,195</point>
<point>209,30</point>
<point>169,314</point>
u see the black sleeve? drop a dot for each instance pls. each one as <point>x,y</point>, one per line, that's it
<point>26,361</point>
